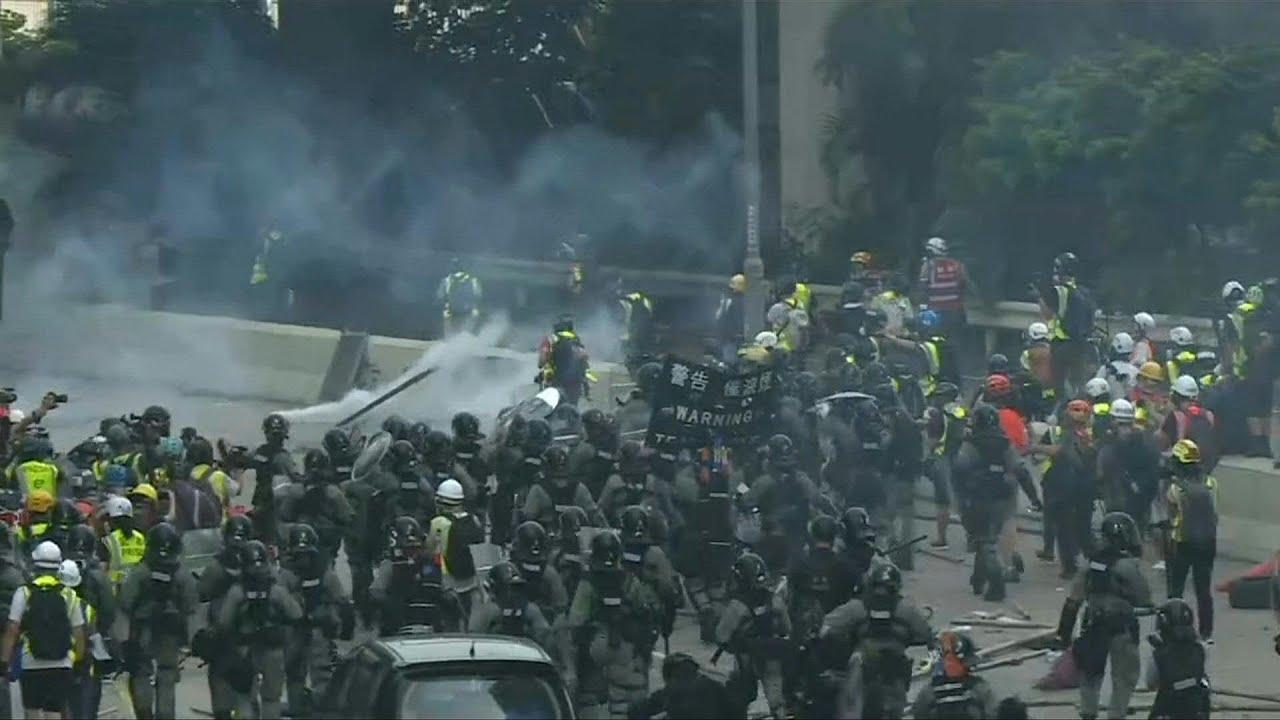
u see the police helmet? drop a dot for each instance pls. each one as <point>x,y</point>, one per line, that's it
<point>529,544</point>
<point>750,575</point>
<point>945,392</point>
<point>418,433</point>
<point>647,377</point>
<point>985,417</point>
<point>555,461</point>
<point>81,543</point>
<point>164,545</point>
<point>857,527</point>
<point>571,520</point>
<point>255,561</point>
<point>633,522</point>
<point>886,397</point>
<point>406,532</point>
<point>337,443</point>
<point>538,437</point>
<point>1065,265</point>
<point>199,451</point>
<point>275,427</point>
<point>504,580</point>
<point>1174,617</point>
<point>593,420</point>
<point>823,529</point>
<point>998,364</point>
<point>1120,534</point>
<point>237,528</point>
<point>118,436</point>
<point>632,459</point>
<point>303,539</point>
<point>606,552</point>
<point>885,580</point>
<point>438,447</point>
<point>782,452</point>
<point>875,373</point>
<point>316,464</point>
<point>467,427</point>
<point>396,426</point>
<point>404,457</point>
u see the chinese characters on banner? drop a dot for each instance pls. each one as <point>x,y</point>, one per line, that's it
<point>693,403</point>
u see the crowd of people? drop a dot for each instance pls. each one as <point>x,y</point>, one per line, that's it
<point>137,546</point>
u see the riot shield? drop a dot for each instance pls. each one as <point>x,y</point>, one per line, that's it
<point>371,456</point>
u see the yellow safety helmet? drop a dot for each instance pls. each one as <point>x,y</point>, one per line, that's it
<point>738,283</point>
<point>1151,370</point>
<point>40,501</point>
<point>1186,452</point>
<point>146,490</point>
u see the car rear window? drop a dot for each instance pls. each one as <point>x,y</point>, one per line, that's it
<point>483,697</point>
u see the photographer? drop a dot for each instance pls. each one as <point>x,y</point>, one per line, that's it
<point>14,423</point>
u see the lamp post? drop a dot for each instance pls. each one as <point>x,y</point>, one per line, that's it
<point>752,265</point>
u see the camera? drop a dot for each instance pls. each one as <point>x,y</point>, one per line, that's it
<point>8,395</point>
<point>57,397</point>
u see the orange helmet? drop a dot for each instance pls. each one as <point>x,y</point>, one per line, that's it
<point>998,385</point>
<point>862,257</point>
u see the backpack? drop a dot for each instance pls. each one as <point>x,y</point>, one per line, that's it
<point>564,358</point>
<point>1077,320</point>
<point>198,504</point>
<point>462,294</point>
<point>1199,516</point>
<point>45,623</point>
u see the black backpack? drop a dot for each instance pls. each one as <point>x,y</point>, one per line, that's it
<point>46,624</point>
<point>1077,319</point>
<point>1199,516</point>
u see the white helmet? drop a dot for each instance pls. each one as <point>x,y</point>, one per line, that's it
<point>936,246</point>
<point>1122,343</point>
<point>69,573</point>
<point>767,339</point>
<point>1096,388</point>
<point>778,314</point>
<point>119,507</point>
<point>46,556</point>
<point>1181,336</point>
<point>450,491</point>
<point>16,416</point>
<point>1232,289</point>
<point>1144,322</point>
<point>1186,386</point>
<point>1037,331</point>
<point>1123,410</point>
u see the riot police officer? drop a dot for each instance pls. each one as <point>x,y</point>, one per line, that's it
<point>508,610</point>
<point>327,616</point>
<point>634,485</point>
<point>557,489</point>
<point>255,616</point>
<point>859,547</point>
<point>211,644</point>
<point>508,468</point>
<point>272,466</point>
<point>595,459</point>
<point>878,628</point>
<point>530,551</point>
<point>1112,589</point>
<point>987,467</point>
<point>755,628</point>
<point>317,502</point>
<point>1182,686</point>
<point>566,552</point>
<point>613,627</point>
<point>337,443</point>
<point>410,494</point>
<point>468,451</point>
<point>820,580</point>
<point>408,587</point>
<point>647,561</point>
<point>784,495</point>
<point>438,454</point>
<point>157,597</point>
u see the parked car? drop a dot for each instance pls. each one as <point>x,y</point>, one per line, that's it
<point>486,677</point>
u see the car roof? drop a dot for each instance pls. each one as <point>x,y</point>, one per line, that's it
<point>423,649</point>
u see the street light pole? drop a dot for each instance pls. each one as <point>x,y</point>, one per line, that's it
<point>752,265</point>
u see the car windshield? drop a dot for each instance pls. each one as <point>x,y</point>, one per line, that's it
<point>487,697</point>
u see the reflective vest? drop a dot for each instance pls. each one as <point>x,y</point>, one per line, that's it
<point>801,298</point>
<point>1057,329</point>
<point>440,526</point>
<point>1240,324</point>
<point>933,353</point>
<point>629,304</point>
<point>35,475</point>
<point>467,301</point>
<point>943,279</point>
<point>222,484</point>
<point>68,596</point>
<point>259,274</point>
<point>123,552</point>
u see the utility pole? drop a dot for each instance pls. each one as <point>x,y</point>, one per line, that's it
<point>752,265</point>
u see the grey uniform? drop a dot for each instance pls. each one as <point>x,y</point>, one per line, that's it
<point>214,584</point>
<point>544,502</point>
<point>970,697</point>
<point>324,508</point>
<point>989,478</point>
<point>879,664</point>
<point>309,646</point>
<point>256,620</point>
<point>1111,590</point>
<point>527,622</point>
<point>157,604</point>
<point>612,640</point>
<point>754,636</point>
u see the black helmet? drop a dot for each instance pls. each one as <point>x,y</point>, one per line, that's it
<point>606,552</point>
<point>571,520</point>
<point>886,397</point>
<point>255,561</point>
<point>555,462</point>
<point>1065,265</point>
<point>316,465</point>
<point>407,533</point>
<point>857,527</point>
<point>529,545</point>
<point>563,324</point>
<point>632,459</point>
<point>418,433</point>
<point>237,527</point>
<point>782,452</point>
<point>647,377</point>
<point>750,575</point>
<point>81,543</point>
<point>275,427</point>
<point>876,320</point>
<point>467,427</point>
<point>885,580</point>
<point>985,417</point>
<point>337,443</point>
<point>438,448</point>
<point>1174,618</point>
<point>303,539</point>
<point>199,451</point>
<point>538,437</point>
<point>593,421</point>
<point>396,426</point>
<point>875,373</point>
<point>957,644</point>
<point>164,545</point>
<point>806,387</point>
<point>505,580</point>
<point>66,514</point>
<point>945,392</point>
<point>823,529</point>
<point>1120,534</point>
<point>118,437</point>
<point>403,456</point>
<point>998,364</point>
<point>633,522</point>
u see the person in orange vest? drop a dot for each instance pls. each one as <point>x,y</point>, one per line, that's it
<point>942,284</point>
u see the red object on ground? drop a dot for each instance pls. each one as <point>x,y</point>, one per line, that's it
<point>1266,569</point>
<point>1062,675</point>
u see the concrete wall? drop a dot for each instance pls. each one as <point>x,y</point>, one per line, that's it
<point>803,99</point>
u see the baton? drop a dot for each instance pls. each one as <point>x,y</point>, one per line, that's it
<point>386,396</point>
<point>902,545</point>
